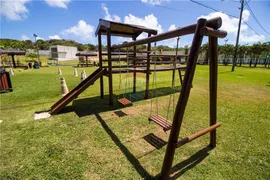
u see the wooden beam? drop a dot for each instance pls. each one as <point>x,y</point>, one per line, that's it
<point>13,61</point>
<point>213,54</point>
<point>100,65</point>
<point>207,31</point>
<point>134,65</point>
<point>130,66</point>
<point>146,94</point>
<point>196,135</point>
<point>213,23</point>
<point>182,101</point>
<point>110,66</point>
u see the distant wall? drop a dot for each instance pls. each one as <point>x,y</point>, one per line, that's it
<point>63,52</point>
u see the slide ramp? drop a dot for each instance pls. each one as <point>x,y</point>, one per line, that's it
<point>75,92</point>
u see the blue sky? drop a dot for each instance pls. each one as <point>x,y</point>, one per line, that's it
<point>77,20</point>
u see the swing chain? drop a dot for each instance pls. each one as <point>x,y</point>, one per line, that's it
<point>173,80</point>
<point>154,88</point>
<point>120,69</point>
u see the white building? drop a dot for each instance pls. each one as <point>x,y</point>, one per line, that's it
<point>63,52</point>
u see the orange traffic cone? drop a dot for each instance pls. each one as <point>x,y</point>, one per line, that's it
<point>75,72</point>
<point>11,71</point>
<point>59,71</point>
<point>64,88</point>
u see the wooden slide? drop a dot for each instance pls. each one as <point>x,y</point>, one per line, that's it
<point>74,93</point>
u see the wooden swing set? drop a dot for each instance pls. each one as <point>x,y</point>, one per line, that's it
<point>202,28</point>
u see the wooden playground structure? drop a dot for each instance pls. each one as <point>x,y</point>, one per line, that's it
<point>202,28</point>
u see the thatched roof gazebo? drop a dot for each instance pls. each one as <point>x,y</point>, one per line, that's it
<point>12,53</point>
<point>86,54</point>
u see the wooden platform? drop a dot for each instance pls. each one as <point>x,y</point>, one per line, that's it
<point>85,65</point>
<point>161,121</point>
<point>125,101</point>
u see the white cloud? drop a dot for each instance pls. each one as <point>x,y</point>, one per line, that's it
<point>40,38</point>
<point>231,26</point>
<point>251,38</point>
<point>149,21</point>
<point>228,24</point>
<point>54,37</point>
<point>24,37</point>
<point>58,3</point>
<point>14,10</point>
<point>172,27</point>
<point>82,30</point>
<point>155,2</point>
<point>245,15</point>
<point>107,15</point>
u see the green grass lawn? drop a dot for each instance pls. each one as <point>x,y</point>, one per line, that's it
<point>89,141</point>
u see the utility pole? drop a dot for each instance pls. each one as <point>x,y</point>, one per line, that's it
<point>37,48</point>
<point>237,39</point>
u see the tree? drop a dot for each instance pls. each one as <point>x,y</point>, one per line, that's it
<point>204,49</point>
<point>227,51</point>
<point>32,56</point>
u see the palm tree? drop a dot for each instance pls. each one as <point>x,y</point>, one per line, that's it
<point>227,51</point>
<point>204,48</point>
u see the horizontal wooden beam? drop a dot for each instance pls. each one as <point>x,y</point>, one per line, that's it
<point>196,135</point>
<point>213,23</point>
<point>135,51</point>
<point>124,59</point>
<point>207,31</point>
<point>125,66</point>
<point>169,55</point>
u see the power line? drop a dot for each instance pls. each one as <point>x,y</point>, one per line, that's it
<point>256,19</point>
<point>251,28</point>
<point>212,8</point>
<point>225,13</point>
<point>174,9</point>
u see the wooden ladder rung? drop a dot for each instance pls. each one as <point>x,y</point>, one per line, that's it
<point>161,121</point>
<point>125,101</point>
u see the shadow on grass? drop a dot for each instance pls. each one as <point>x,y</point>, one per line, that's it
<point>93,105</point>
<point>179,169</point>
<point>176,171</point>
<point>120,113</point>
<point>130,157</point>
<point>154,140</point>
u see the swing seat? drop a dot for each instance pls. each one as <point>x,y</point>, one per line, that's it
<point>161,121</point>
<point>125,101</point>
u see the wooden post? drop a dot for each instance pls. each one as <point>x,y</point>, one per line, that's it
<point>182,102</point>
<point>213,50</point>
<point>186,53</point>
<point>86,61</point>
<point>134,67</point>
<point>100,65</point>
<point>110,66</point>
<point>180,76</point>
<point>146,95</point>
<point>13,61</point>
